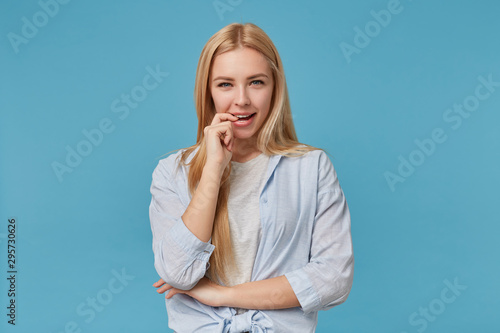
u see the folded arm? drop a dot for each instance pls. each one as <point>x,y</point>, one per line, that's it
<point>269,294</point>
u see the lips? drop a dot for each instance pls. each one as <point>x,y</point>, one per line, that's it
<point>243,116</point>
<point>244,120</point>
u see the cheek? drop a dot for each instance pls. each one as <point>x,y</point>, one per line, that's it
<point>264,100</point>
<point>221,102</point>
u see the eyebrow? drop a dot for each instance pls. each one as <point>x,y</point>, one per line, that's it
<point>225,78</point>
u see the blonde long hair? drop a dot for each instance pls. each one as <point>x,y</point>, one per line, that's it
<point>276,136</point>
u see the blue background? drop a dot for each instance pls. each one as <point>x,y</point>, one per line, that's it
<point>367,109</point>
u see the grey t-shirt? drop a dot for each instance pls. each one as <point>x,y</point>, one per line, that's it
<point>246,182</point>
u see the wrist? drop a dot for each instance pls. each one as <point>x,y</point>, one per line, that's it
<point>214,169</point>
<point>227,296</point>
<point>213,166</point>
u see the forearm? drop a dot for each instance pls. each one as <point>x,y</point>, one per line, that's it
<point>200,213</point>
<point>270,294</point>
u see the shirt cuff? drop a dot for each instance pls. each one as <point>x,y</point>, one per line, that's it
<point>191,244</point>
<point>304,290</point>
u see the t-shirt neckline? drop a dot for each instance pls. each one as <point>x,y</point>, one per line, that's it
<point>249,161</point>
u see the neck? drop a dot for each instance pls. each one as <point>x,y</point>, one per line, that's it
<point>244,149</point>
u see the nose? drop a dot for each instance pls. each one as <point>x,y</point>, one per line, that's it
<point>242,98</point>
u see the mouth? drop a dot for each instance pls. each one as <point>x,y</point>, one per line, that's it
<point>243,120</point>
<point>243,117</point>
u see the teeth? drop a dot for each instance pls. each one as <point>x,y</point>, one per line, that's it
<point>241,116</point>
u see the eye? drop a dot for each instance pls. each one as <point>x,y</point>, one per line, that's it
<point>257,82</point>
<point>224,85</point>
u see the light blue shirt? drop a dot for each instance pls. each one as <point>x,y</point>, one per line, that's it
<point>306,236</point>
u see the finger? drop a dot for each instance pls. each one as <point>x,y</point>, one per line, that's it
<point>223,116</point>
<point>230,140</point>
<point>229,136</point>
<point>158,283</point>
<point>172,293</point>
<point>220,130</point>
<point>223,131</point>
<point>164,288</point>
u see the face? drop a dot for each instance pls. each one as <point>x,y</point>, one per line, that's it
<point>241,83</point>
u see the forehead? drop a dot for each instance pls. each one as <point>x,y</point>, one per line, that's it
<point>240,62</point>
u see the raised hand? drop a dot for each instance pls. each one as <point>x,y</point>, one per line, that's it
<point>219,140</point>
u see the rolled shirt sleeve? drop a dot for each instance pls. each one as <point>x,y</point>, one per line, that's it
<point>180,258</point>
<point>327,279</point>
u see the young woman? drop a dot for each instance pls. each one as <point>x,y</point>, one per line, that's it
<point>251,229</point>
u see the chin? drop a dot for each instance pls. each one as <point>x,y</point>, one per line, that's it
<point>243,136</point>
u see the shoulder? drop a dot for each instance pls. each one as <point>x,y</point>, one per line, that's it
<point>316,157</point>
<point>168,166</point>
<point>320,158</point>
<point>314,165</point>
<point>170,161</point>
